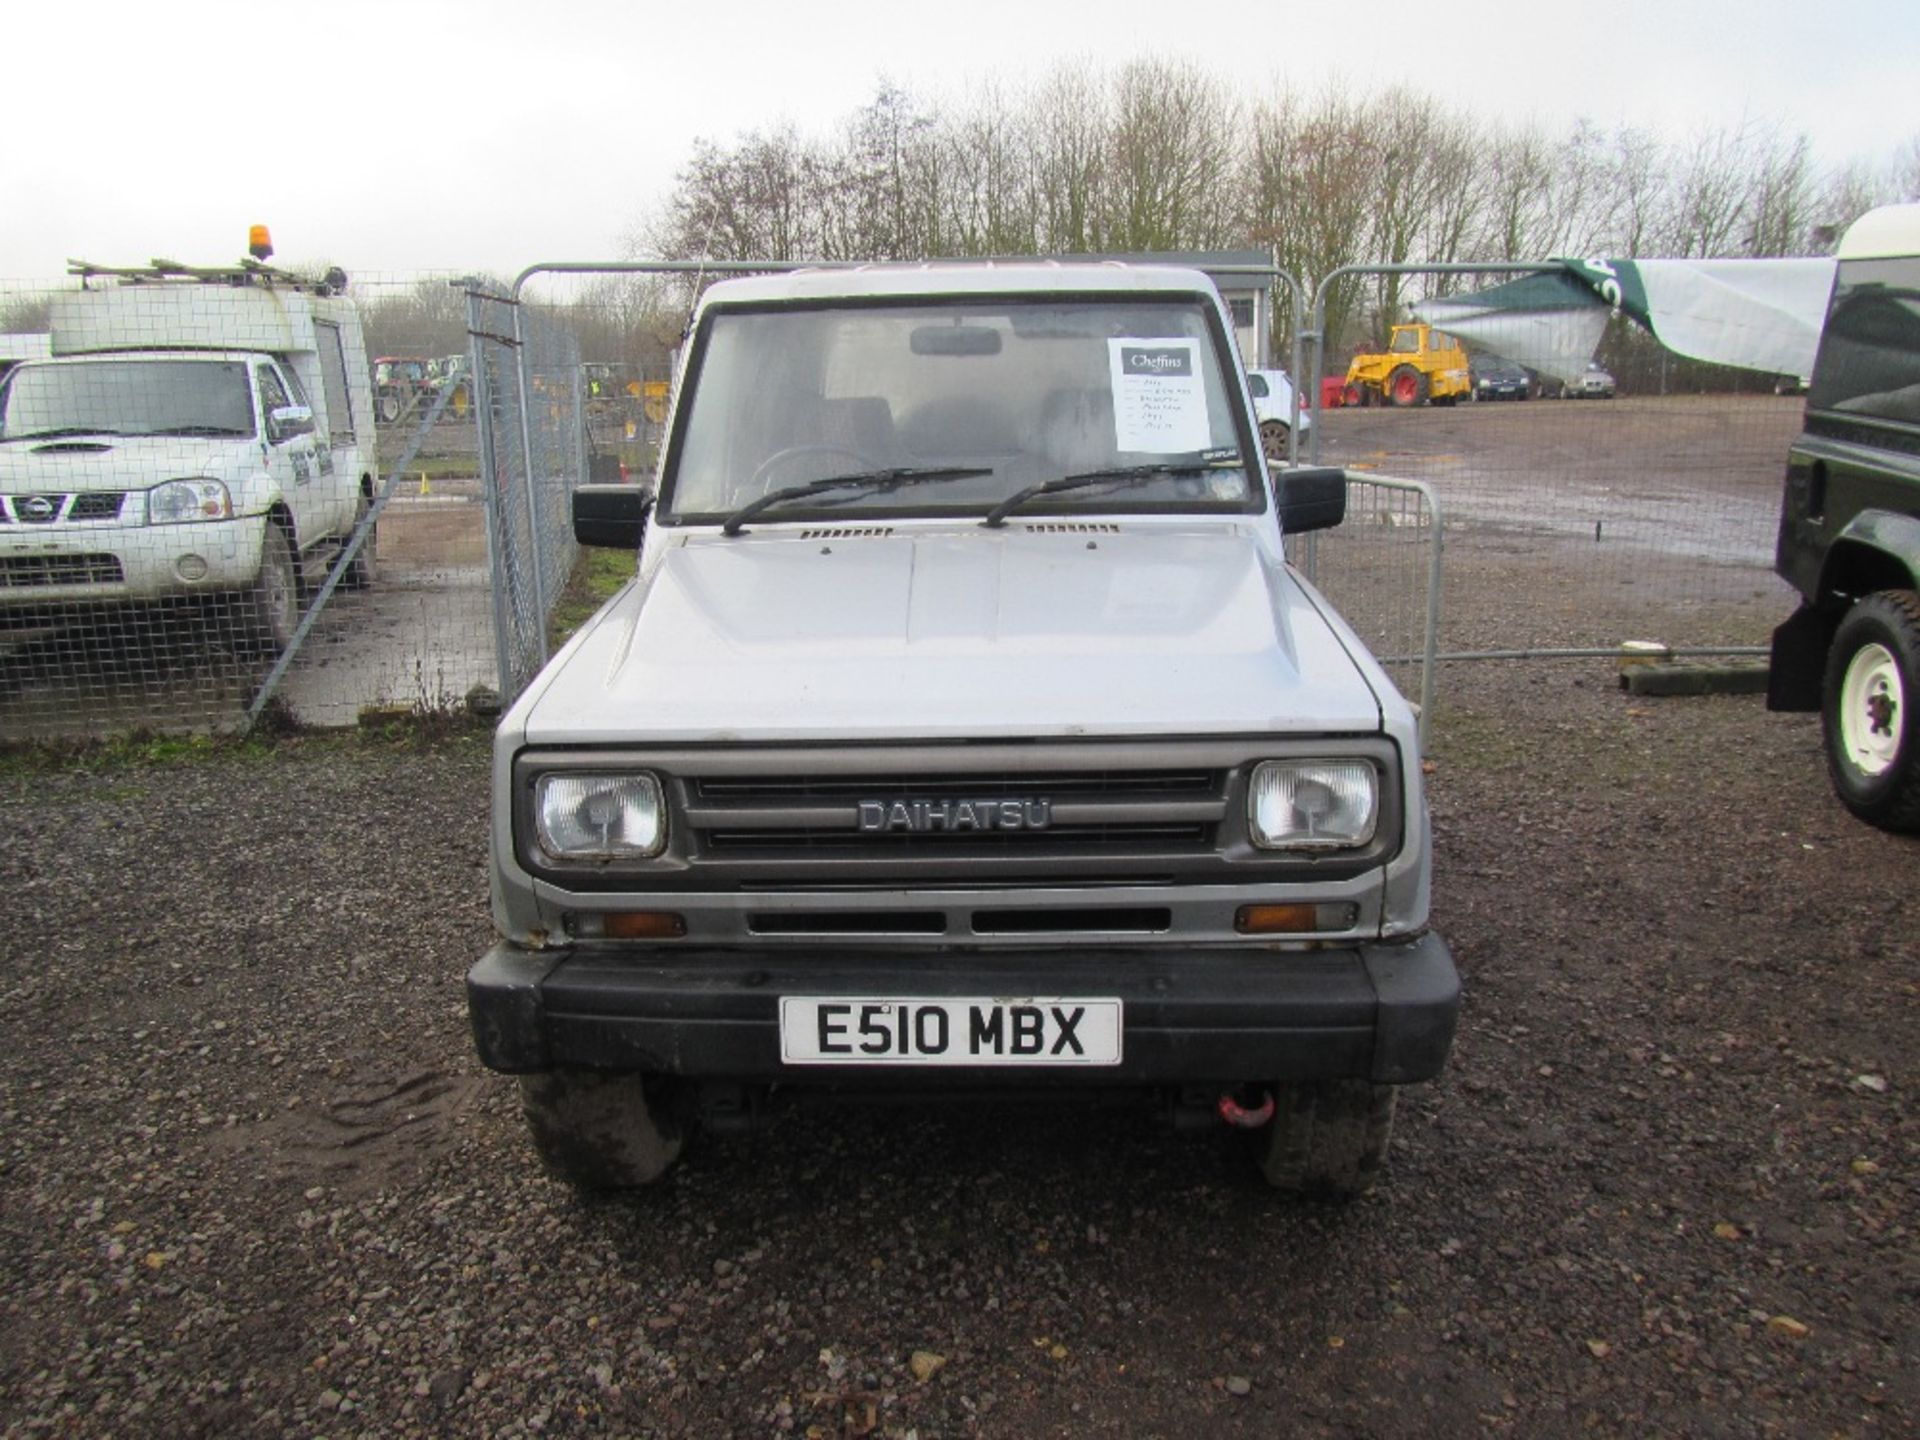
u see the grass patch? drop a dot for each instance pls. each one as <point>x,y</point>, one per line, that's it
<point>596,576</point>
<point>266,742</point>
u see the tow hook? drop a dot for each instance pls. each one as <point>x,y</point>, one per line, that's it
<point>1242,1117</point>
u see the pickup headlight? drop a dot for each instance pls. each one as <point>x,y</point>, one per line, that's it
<point>179,501</point>
<point>1313,804</point>
<point>599,817</point>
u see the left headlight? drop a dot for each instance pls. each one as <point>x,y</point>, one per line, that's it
<point>595,817</point>
<point>1313,804</point>
<point>179,501</point>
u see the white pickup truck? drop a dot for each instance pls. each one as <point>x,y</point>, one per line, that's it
<point>207,436</point>
<point>965,728</point>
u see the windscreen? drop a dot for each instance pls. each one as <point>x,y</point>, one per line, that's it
<point>1027,391</point>
<point>1870,351</point>
<point>127,397</point>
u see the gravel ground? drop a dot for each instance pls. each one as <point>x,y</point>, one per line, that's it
<point>253,1182</point>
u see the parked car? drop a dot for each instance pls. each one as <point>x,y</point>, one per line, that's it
<point>1497,379</point>
<point>965,730</point>
<point>1594,383</point>
<point>1272,392</point>
<point>1849,538</point>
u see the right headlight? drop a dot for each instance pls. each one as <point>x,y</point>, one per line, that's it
<point>178,501</point>
<point>579,816</point>
<point>1313,804</point>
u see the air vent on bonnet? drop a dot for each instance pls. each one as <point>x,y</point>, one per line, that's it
<point>1069,527</point>
<point>848,532</point>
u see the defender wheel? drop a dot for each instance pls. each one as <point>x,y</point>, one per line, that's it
<point>1406,387</point>
<point>1273,440</point>
<point>1328,1137</point>
<point>603,1131</point>
<point>271,609</point>
<point>1871,711</point>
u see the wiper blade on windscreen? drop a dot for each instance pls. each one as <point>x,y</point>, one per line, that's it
<point>876,482</point>
<point>64,432</point>
<point>1111,475</point>
<point>199,430</point>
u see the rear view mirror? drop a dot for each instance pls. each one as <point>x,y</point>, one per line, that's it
<point>1310,498</point>
<point>955,340</point>
<point>611,517</point>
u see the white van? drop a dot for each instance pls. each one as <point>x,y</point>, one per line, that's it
<point>208,434</point>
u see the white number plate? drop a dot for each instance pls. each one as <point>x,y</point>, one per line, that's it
<point>862,1030</point>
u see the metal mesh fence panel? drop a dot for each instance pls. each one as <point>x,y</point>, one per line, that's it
<point>1382,568</point>
<point>226,488</point>
<point>1638,503</point>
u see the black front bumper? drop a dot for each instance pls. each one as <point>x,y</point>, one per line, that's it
<point>1382,1012</point>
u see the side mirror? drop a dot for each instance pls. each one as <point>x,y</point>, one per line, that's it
<point>611,517</point>
<point>287,421</point>
<point>1310,498</point>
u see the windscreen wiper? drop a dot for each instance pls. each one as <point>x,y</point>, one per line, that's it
<point>872,482</point>
<point>63,432</point>
<point>199,430</point>
<point>1119,475</point>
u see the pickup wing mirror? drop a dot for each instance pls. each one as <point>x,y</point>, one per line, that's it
<point>1311,498</point>
<point>287,421</point>
<point>611,517</point>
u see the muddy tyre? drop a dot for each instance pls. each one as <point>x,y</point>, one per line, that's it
<point>603,1131</point>
<point>1406,388</point>
<point>364,567</point>
<point>1870,713</point>
<point>1328,1137</point>
<point>270,611</point>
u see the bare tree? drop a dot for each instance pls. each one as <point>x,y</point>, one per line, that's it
<point>1170,149</point>
<point>1069,139</point>
<point>1310,181</point>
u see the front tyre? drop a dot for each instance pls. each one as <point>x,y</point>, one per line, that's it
<point>366,561</point>
<point>601,1130</point>
<point>271,609</point>
<point>1869,716</point>
<point>1328,1137</point>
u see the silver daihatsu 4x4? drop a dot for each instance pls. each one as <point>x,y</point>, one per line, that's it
<point>964,728</point>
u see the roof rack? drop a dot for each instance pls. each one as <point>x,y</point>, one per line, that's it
<point>242,272</point>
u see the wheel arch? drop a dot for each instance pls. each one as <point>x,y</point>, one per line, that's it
<point>1875,551</point>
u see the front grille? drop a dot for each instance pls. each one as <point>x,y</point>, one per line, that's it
<point>97,505</point>
<point>1012,817</point>
<point>53,508</point>
<point>26,572</point>
<point>1124,812</point>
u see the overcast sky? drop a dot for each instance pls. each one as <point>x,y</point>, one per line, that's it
<point>404,136</point>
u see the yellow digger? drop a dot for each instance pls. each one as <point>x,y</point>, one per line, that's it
<point>1418,365</point>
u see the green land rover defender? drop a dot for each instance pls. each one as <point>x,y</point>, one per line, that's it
<point>1850,528</point>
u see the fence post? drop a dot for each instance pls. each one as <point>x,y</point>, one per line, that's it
<point>533,495</point>
<point>483,419</point>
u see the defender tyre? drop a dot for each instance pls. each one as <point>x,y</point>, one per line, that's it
<point>270,611</point>
<point>1328,1137</point>
<point>604,1131</point>
<point>1406,388</point>
<point>1870,714</point>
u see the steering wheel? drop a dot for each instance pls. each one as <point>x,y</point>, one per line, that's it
<point>762,478</point>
